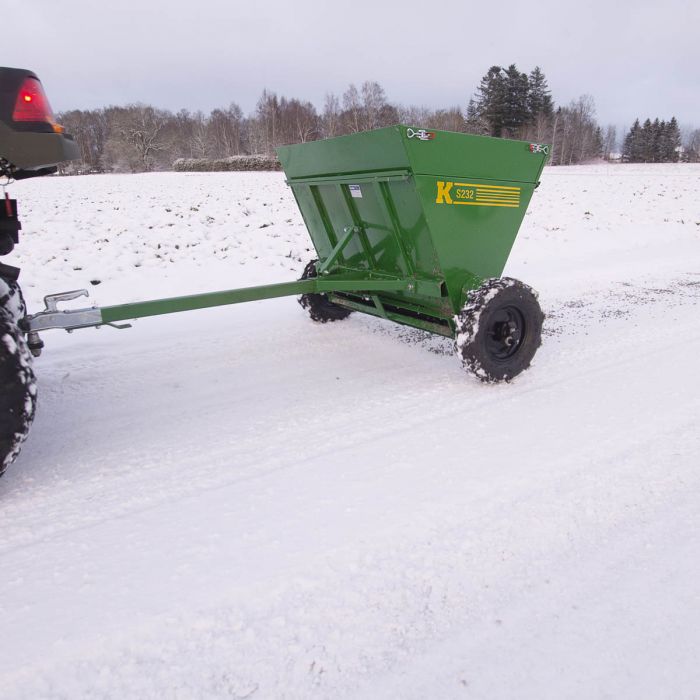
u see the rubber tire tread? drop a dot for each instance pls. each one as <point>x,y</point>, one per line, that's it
<point>473,321</point>
<point>17,380</point>
<point>319,307</point>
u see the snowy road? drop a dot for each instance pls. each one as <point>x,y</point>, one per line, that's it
<point>238,503</point>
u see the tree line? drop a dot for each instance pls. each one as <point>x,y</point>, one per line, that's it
<point>512,104</point>
<point>507,103</point>
<point>653,142</point>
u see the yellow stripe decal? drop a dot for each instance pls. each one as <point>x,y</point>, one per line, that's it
<point>487,187</point>
<point>475,195</point>
<point>487,204</point>
<point>497,196</point>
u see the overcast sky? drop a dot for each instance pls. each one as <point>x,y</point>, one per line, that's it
<point>635,58</point>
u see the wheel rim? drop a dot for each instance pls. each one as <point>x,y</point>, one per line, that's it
<point>505,333</point>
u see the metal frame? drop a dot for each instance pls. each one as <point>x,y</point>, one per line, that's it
<point>344,282</point>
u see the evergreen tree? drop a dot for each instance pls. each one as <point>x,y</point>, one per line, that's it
<point>653,142</point>
<point>673,141</point>
<point>647,141</point>
<point>516,112</point>
<point>511,104</point>
<point>660,140</point>
<point>631,149</point>
<point>491,99</point>
<point>656,139</point>
<point>539,99</point>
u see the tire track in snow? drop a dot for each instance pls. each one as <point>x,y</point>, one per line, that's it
<point>132,492</point>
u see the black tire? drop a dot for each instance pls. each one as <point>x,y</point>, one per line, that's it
<point>17,380</point>
<point>499,329</point>
<point>319,307</point>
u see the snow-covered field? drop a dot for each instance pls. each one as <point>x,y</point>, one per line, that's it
<point>237,503</point>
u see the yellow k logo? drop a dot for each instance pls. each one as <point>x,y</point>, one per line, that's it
<point>443,192</point>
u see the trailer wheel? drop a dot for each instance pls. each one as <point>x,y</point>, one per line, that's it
<point>499,329</point>
<point>319,307</point>
<point>17,381</point>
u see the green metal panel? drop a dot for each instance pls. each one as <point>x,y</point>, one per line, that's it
<point>358,153</point>
<point>450,155</point>
<point>479,226</point>
<point>406,202</point>
<point>392,148</point>
<point>391,232</point>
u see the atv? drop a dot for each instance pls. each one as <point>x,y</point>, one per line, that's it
<point>32,144</point>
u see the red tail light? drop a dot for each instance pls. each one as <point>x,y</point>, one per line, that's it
<point>31,104</point>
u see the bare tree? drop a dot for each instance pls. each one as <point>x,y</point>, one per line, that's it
<point>417,116</point>
<point>541,128</point>
<point>301,121</point>
<point>199,144</point>
<point>224,131</point>
<point>476,120</point>
<point>137,136</point>
<point>373,101</point>
<point>183,127</point>
<point>575,136</point>
<point>352,110</point>
<point>692,146</point>
<point>583,128</point>
<point>264,126</point>
<point>331,120</point>
<point>450,119</point>
<point>610,141</point>
<point>90,130</point>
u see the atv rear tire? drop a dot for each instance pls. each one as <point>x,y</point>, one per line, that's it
<point>319,307</point>
<point>499,329</point>
<point>17,381</point>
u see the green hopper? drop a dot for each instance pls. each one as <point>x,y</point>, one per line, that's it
<point>431,213</point>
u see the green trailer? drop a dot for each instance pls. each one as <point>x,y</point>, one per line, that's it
<point>410,225</point>
<point>428,218</point>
